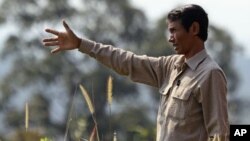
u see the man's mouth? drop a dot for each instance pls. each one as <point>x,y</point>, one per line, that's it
<point>175,46</point>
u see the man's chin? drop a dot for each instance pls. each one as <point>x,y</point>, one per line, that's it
<point>177,51</point>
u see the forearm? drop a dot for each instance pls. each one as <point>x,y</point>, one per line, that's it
<point>111,57</point>
<point>138,68</point>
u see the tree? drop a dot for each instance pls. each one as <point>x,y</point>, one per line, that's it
<point>33,71</point>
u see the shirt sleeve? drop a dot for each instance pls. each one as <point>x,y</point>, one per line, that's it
<point>140,68</point>
<point>214,106</point>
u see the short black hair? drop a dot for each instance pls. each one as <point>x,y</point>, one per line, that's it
<point>188,14</point>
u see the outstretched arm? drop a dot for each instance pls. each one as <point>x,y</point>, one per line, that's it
<point>66,40</point>
<point>139,68</point>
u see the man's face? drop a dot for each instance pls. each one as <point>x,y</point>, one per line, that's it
<point>179,37</point>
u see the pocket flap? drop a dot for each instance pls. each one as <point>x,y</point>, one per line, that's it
<point>182,93</point>
<point>165,90</point>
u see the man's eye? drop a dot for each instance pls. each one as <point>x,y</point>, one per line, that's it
<point>172,30</point>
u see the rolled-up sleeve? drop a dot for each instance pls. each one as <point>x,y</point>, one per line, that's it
<point>214,106</point>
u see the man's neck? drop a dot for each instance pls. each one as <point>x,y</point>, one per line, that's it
<point>196,48</point>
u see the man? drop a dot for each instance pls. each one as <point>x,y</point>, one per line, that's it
<point>193,105</point>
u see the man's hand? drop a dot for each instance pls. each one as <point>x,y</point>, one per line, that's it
<point>63,40</point>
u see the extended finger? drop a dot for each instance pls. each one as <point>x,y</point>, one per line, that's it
<point>51,44</point>
<point>52,31</point>
<point>50,40</point>
<point>66,26</point>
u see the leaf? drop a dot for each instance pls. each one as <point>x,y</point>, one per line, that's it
<point>109,90</point>
<point>87,98</point>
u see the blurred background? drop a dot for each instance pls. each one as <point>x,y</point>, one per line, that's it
<point>49,83</point>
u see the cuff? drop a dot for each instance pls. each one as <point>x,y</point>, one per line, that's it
<point>86,45</point>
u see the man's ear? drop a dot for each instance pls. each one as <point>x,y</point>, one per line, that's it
<point>195,28</point>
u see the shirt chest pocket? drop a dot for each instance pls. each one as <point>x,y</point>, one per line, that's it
<point>179,103</point>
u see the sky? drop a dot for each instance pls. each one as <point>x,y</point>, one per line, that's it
<point>230,15</point>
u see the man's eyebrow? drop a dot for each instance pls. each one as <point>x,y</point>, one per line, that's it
<point>171,29</point>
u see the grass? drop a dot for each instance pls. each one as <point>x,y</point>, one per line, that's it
<point>26,116</point>
<point>94,134</point>
<point>92,110</point>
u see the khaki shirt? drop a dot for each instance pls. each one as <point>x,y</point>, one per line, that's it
<point>193,104</point>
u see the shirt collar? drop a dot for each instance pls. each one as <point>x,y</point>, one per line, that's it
<point>179,62</point>
<point>195,60</point>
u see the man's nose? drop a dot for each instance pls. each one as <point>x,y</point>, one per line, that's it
<point>171,38</point>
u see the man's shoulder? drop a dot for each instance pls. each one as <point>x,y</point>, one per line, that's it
<point>210,66</point>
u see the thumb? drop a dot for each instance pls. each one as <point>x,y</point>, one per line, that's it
<point>66,26</point>
<point>56,50</point>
